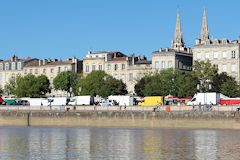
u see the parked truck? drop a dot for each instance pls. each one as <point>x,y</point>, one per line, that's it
<point>151,101</point>
<point>58,101</point>
<point>122,100</point>
<point>36,101</point>
<point>229,101</point>
<point>81,100</point>
<point>209,98</point>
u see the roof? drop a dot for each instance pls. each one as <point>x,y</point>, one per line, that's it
<point>143,62</point>
<point>18,60</point>
<point>172,51</point>
<point>36,63</point>
<point>119,59</point>
<point>107,52</point>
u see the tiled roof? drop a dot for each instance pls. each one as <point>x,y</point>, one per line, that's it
<point>143,62</point>
<point>36,63</point>
<point>119,59</point>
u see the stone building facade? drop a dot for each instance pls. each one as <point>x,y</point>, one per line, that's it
<point>51,68</point>
<point>177,57</point>
<point>129,69</point>
<point>10,69</point>
<point>222,53</point>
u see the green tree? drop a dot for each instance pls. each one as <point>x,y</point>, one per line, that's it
<point>32,86</point>
<point>1,90</point>
<point>219,80</point>
<point>230,88</point>
<point>43,85</point>
<point>66,81</point>
<point>166,82</point>
<point>99,83</point>
<point>205,72</point>
<point>10,87</point>
<point>188,86</point>
<point>139,87</point>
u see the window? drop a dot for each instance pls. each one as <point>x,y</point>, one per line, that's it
<point>6,66</point>
<point>100,67</point>
<point>180,65</point>
<point>233,67</point>
<point>25,71</point>
<point>198,55</point>
<point>1,66</point>
<point>215,55</point>
<point>157,64</point>
<point>109,66</point>
<point>52,70</point>
<point>59,69</point>
<point>130,76</point>
<point>13,76</point>
<point>207,55</point>
<point>123,77</point>
<point>87,68</point>
<point>224,55</point>
<point>6,77</point>
<point>215,66</point>
<point>116,76</point>
<point>65,68</point>
<point>163,64</point>
<point>19,65</point>
<point>0,76</point>
<point>44,71</point>
<point>138,76</point>
<point>30,71</point>
<point>170,64</point>
<point>36,71</point>
<point>93,67</point>
<point>115,67</point>
<point>233,54</point>
<point>224,68</point>
<point>13,66</point>
<point>123,66</point>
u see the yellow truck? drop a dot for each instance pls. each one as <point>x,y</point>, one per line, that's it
<point>152,101</point>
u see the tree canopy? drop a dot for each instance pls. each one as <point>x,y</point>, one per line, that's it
<point>102,84</point>
<point>172,82</point>
<point>9,88</point>
<point>65,81</point>
<point>32,86</point>
<point>1,90</point>
<point>166,82</point>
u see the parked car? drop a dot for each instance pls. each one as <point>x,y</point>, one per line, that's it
<point>21,102</point>
<point>108,103</point>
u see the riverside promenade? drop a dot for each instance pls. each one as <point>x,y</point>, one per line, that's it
<point>222,117</point>
<point>115,108</point>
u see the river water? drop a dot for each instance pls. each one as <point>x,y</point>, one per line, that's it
<point>117,143</point>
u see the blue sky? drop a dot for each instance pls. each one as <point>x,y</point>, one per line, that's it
<point>67,28</point>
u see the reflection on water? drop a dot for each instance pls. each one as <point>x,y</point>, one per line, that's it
<point>116,143</point>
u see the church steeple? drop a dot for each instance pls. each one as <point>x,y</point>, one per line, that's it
<point>204,30</point>
<point>178,42</point>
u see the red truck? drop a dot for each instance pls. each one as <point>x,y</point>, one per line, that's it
<point>2,102</point>
<point>229,101</point>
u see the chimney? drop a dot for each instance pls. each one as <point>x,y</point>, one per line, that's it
<point>45,61</point>
<point>39,62</point>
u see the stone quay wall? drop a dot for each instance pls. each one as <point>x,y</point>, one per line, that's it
<point>122,118</point>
